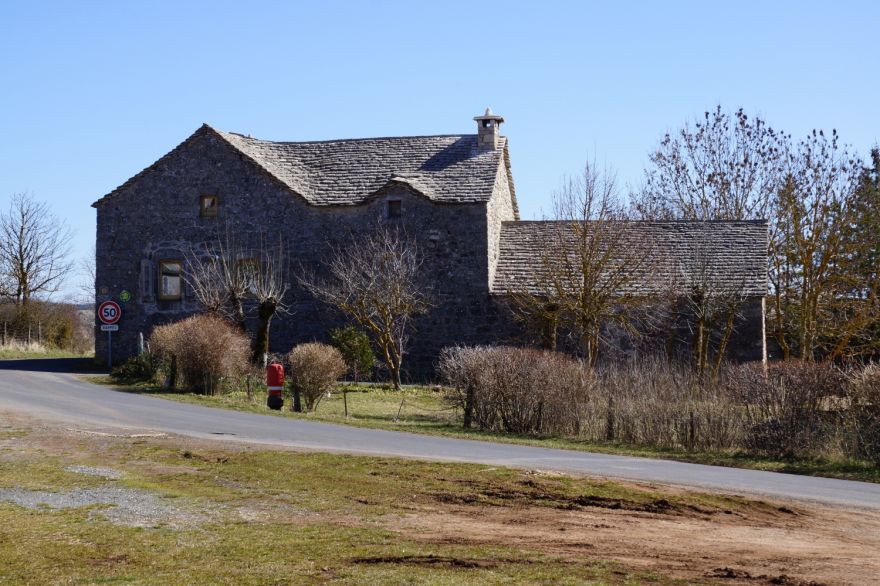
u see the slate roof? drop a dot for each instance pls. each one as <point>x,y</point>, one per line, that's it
<point>445,168</point>
<point>731,254</point>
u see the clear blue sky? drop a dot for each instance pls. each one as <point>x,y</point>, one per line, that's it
<point>92,92</point>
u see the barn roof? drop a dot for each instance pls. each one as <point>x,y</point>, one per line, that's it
<point>443,168</point>
<point>665,257</point>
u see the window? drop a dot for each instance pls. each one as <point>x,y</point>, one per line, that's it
<point>170,280</point>
<point>394,209</point>
<point>209,206</point>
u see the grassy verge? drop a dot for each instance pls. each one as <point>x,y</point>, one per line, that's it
<point>34,351</point>
<point>424,412</point>
<point>286,517</point>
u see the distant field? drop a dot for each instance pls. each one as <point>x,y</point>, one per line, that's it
<point>21,351</point>
<point>424,411</point>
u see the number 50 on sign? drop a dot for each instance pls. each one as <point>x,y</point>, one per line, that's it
<point>109,312</point>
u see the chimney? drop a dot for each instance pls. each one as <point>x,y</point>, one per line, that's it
<point>488,130</point>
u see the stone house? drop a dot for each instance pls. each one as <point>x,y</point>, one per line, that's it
<point>454,193</point>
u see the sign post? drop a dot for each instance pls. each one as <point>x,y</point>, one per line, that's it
<point>109,313</point>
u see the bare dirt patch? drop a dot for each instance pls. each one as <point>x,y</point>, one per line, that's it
<point>765,544</point>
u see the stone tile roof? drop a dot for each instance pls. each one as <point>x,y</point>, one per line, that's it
<point>731,254</point>
<point>446,169</point>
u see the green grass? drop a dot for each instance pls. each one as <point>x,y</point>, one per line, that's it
<point>330,518</point>
<point>425,412</point>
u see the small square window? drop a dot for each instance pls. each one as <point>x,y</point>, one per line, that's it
<point>209,206</point>
<point>170,280</point>
<point>394,208</point>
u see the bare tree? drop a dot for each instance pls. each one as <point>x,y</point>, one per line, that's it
<point>732,167</point>
<point>712,303</point>
<point>724,167</point>
<point>34,249</point>
<point>87,275</point>
<point>588,260</point>
<point>815,310</point>
<point>377,281</point>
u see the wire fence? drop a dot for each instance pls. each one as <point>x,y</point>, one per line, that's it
<point>17,334</point>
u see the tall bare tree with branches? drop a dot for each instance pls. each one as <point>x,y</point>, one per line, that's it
<point>587,262</point>
<point>732,167</point>
<point>378,282</point>
<point>34,249</point>
<point>816,307</point>
<point>723,167</point>
<point>712,305</point>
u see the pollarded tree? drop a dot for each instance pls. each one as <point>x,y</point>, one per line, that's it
<point>34,249</point>
<point>267,279</point>
<point>231,280</point>
<point>218,278</point>
<point>378,282</point>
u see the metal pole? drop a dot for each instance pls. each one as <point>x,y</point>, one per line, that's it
<point>109,349</point>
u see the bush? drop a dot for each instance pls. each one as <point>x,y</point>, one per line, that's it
<point>354,345</point>
<point>863,415</point>
<point>142,368</point>
<point>201,351</point>
<point>789,409</point>
<point>663,404</point>
<point>315,369</point>
<point>517,390</point>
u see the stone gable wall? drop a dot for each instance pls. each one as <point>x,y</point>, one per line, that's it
<point>157,217</point>
<point>498,210</point>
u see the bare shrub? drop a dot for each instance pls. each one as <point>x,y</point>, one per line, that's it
<point>517,390</point>
<point>315,369</point>
<point>789,408</point>
<point>650,402</point>
<point>792,410</point>
<point>863,416</point>
<point>662,404</point>
<point>202,350</point>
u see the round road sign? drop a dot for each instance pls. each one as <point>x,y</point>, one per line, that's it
<point>109,312</point>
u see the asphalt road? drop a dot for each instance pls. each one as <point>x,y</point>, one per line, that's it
<point>30,387</point>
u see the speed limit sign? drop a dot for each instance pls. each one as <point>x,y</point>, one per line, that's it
<point>109,312</point>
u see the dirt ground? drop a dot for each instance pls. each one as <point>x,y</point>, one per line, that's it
<point>764,542</point>
<point>805,544</point>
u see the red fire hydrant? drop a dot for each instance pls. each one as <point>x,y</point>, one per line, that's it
<point>275,382</point>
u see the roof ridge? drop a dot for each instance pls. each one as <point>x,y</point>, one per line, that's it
<point>360,139</point>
